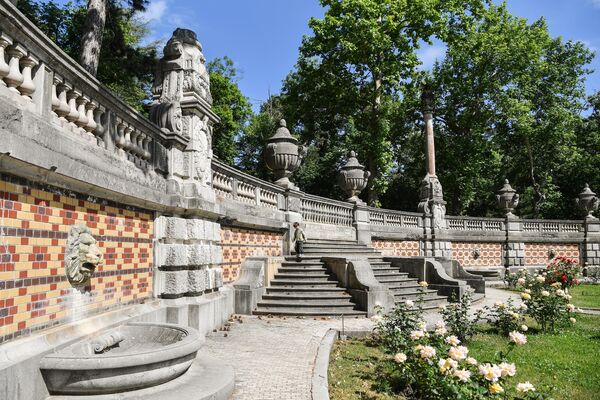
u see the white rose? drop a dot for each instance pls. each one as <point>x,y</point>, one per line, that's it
<point>463,375</point>
<point>409,303</point>
<point>452,340</point>
<point>545,293</point>
<point>525,387</point>
<point>458,353</point>
<point>508,369</point>
<point>524,328</point>
<point>400,358</point>
<point>517,338</point>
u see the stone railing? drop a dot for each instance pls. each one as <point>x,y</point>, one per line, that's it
<point>326,211</point>
<point>230,183</point>
<point>552,226</point>
<point>38,75</point>
<point>394,218</point>
<point>475,224</point>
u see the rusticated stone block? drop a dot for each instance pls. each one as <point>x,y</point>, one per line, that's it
<point>172,255</point>
<point>197,280</point>
<point>175,283</point>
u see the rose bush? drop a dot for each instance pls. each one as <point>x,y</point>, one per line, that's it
<point>506,317</point>
<point>563,270</point>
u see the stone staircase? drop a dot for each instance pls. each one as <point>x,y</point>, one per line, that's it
<point>306,288</point>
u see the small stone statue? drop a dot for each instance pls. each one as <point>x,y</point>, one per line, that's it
<point>82,256</point>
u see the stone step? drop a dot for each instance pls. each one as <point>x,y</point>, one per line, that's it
<point>385,274</point>
<point>322,275</point>
<point>309,312</point>
<point>308,270</point>
<point>305,289</point>
<point>334,296</point>
<point>318,303</point>
<point>306,282</point>
<point>397,280</point>
<point>412,295</point>
<point>303,264</point>
<point>332,242</point>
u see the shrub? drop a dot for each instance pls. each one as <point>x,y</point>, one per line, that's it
<point>506,317</point>
<point>564,271</point>
<point>456,317</point>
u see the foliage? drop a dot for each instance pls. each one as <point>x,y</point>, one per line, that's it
<point>436,366</point>
<point>563,270</point>
<point>457,318</point>
<point>126,65</point>
<point>506,317</point>
<point>350,71</point>
<point>232,107</point>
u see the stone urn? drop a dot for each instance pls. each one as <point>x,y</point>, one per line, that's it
<point>283,155</point>
<point>588,201</point>
<point>507,199</point>
<point>353,179</point>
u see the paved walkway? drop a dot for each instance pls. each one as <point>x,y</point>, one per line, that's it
<point>274,358</point>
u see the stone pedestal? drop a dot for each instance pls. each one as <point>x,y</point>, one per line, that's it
<point>591,245</point>
<point>514,247</point>
<point>188,257</point>
<point>362,224</point>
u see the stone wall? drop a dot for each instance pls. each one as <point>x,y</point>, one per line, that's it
<point>474,255</point>
<point>238,243</point>
<point>34,224</point>
<point>540,253</point>
<point>397,248</point>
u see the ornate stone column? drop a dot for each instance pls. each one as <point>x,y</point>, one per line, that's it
<point>188,254</point>
<point>183,109</point>
<point>588,202</point>
<point>431,194</point>
<point>514,247</point>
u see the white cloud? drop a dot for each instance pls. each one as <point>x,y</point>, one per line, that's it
<point>430,53</point>
<point>595,3</point>
<point>155,11</point>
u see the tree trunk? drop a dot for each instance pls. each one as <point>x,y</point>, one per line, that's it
<point>91,38</point>
<point>373,196</point>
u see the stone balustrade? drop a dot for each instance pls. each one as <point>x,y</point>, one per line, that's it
<point>40,77</point>
<point>230,183</point>
<point>326,211</point>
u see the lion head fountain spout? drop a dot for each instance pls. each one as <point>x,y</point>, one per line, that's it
<point>82,256</point>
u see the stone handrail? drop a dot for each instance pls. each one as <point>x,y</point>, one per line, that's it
<point>45,80</point>
<point>475,224</point>
<point>230,183</point>
<point>326,211</point>
<point>379,216</point>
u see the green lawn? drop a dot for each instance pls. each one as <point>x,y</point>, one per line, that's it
<point>568,362</point>
<point>586,296</point>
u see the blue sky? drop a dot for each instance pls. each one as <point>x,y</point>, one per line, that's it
<point>263,36</point>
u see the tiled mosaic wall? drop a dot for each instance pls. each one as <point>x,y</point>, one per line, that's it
<point>397,248</point>
<point>34,224</point>
<point>538,253</point>
<point>237,244</point>
<point>490,254</point>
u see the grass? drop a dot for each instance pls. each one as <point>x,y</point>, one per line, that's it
<point>567,363</point>
<point>355,371</point>
<point>586,296</point>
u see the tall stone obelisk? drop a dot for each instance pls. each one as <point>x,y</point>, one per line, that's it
<point>431,195</point>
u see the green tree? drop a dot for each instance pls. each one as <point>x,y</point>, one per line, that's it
<point>350,73</point>
<point>230,105</point>
<point>509,98</point>
<point>126,66</point>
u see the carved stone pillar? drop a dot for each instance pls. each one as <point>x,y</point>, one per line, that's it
<point>182,108</point>
<point>431,195</point>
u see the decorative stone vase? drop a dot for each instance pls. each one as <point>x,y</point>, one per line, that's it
<point>588,201</point>
<point>283,155</point>
<point>507,199</point>
<point>353,179</point>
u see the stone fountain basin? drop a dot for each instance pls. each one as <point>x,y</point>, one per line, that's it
<point>148,355</point>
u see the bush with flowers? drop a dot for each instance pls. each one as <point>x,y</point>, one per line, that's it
<point>436,365</point>
<point>563,270</point>
<point>506,317</point>
<point>456,316</point>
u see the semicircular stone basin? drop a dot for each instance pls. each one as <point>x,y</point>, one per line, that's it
<point>132,356</point>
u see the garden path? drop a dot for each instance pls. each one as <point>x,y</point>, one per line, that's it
<point>273,358</point>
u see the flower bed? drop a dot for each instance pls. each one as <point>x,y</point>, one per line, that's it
<point>566,365</point>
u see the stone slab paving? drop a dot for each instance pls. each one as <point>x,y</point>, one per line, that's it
<point>273,358</point>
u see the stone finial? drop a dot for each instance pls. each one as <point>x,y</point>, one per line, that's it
<point>353,178</point>
<point>283,155</point>
<point>427,98</point>
<point>507,199</point>
<point>588,201</point>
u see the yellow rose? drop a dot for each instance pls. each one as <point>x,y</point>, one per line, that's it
<point>496,389</point>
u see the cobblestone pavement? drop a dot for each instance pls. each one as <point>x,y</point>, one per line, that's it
<point>274,357</point>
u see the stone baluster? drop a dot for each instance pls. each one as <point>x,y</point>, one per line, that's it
<point>91,124</point>
<point>55,103</point>
<point>133,152</point>
<point>120,140</point>
<point>127,138</point>
<point>147,154</point>
<point>82,120</point>
<point>72,96</point>
<point>5,41</point>
<point>28,63</point>
<point>63,108</point>
<point>99,120</point>
<point>140,145</point>
<point>14,78</point>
